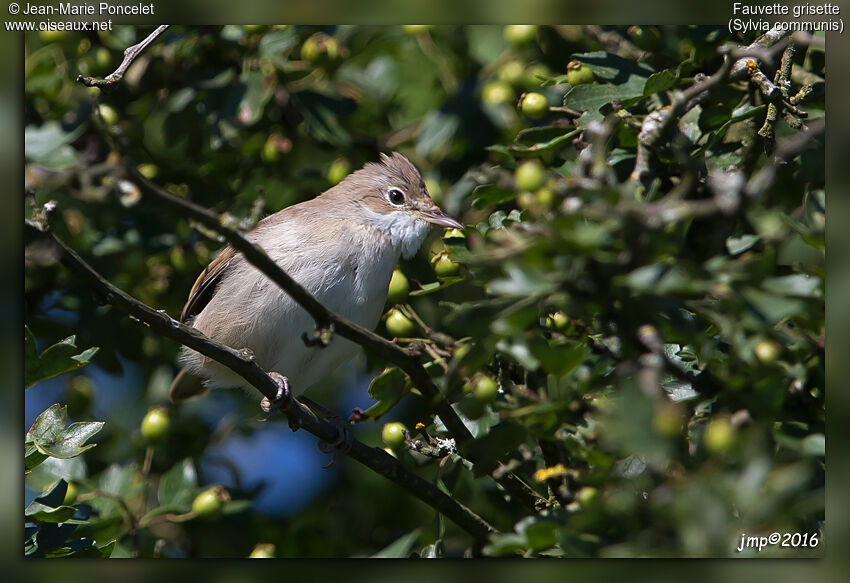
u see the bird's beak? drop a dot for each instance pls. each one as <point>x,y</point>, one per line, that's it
<point>438,217</point>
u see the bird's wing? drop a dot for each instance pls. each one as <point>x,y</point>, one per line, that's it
<point>205,285</point>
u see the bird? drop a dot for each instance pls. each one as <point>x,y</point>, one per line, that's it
<point>341,246</point>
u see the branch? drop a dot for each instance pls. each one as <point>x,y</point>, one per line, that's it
<point>130,55</point>
<point>242,363</point>
<point>738,62</point>
<point>785,151</point>
<point>325,318</point>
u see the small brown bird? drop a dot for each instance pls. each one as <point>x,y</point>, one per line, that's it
<point>342,246</point>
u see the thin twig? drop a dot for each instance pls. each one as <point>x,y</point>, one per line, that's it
<point>241,363</point>
<point>130,55</point>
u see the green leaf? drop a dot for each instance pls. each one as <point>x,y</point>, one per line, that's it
<point>436,132</point>
<point>589,98</point>
<point>177,486</point>
<point>48,506</point>
<point>274,44</point>
<point>505,544</point>
<point>32,457</point>
<point>500,440</point>
<point>41,513</point>
<point>660,81</point>
<point>258,91</point>
<point>400,548</point>
<point>613,68</point>
<point>679,390</point>
<point>539,533</point>
<point>800,285</point>
<point>489,195</point>
<point>53,469</point>
<point>523,279</point>
<point>388,387</point>
<point>50,437</point>
<point>546,146</point>
<point>773,308</point>
<point>814,444</point>
<point>321,114</point>
<point>626,82</point>
<point>60,358</point>
<point>658,278</point>
<point>436,286</point>
<point>737,245</point>
<point>48,145</point>
<point>54,496</point>
<point>557,356</point>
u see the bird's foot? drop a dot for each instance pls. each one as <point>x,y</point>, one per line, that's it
<point>345,438</point>
<point>282,397</point>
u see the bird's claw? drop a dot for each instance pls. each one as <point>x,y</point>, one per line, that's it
<point>282,396</point>
<point>342,444</point>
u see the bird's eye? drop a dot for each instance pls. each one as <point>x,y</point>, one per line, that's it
<point>395,195</point>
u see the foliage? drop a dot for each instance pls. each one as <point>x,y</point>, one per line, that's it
<point>657,337</point>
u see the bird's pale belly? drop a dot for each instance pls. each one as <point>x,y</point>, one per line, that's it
<point>284,350</point>
<point>305,365</point>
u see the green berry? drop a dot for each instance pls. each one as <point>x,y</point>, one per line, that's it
<point>557,321</point>
<point>156,424</point>
<point>393,435</point>
<point>399,288</point>
<point>274,146</point>
<point>767,351</point>
<point>519,34</point>
<point>534,105</point>
<point>209,503</point>
<point>445,267</point>
<point>667,420</point>
<point>399,325</point>
<point>485,389</point>
<point>102,58</point>
<point>645,37</point>
<point>544,197</point>
<point>719,436</point>
<point>461,351</point>
<point>512,73</point>
<point>108,114</point>
<point>318,47</point>
<point>578,73</point>
<point>533,74</point>
<point>339,169</point>
<point>50,36</point>
<point>588,497</point>
<point>497,93</point>
<point>453,234</point>
<point>149,171</point>
<point>526,200</point>
<point>530,175</point>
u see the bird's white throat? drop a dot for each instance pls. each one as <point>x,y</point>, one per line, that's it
<point>405,231</point>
